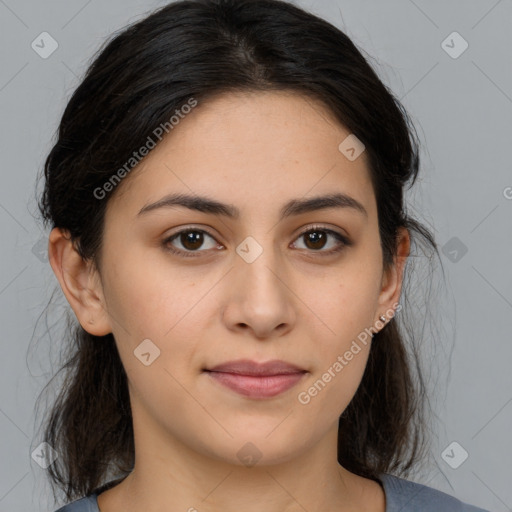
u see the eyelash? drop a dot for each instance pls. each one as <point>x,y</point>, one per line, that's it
<point>344,242</point>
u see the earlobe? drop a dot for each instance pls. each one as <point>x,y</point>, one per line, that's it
<point>80,283</point>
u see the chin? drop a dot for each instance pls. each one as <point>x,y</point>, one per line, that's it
<point>258,448</point>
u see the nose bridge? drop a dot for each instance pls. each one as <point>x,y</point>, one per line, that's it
<point>256,250</point>
<point>258,296</point>
<point>260,265</point>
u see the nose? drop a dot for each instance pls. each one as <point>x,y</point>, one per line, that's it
<point>259,296</point>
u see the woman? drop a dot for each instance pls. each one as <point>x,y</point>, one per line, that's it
<point>228,226</point>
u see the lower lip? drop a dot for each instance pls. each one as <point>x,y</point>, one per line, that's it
<point>257,387</point>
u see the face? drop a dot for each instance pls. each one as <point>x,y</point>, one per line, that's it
<point>185,290</point>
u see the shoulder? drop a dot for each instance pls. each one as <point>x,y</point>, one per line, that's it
<point>403,495</point>
<point>90,502</point>
<point>87,504</point>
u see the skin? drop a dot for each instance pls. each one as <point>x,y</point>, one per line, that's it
<point>255,151</point>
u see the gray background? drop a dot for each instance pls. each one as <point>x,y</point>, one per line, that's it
<point>462,108</point>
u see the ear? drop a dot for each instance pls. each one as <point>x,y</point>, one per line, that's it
<point>392,278</point>
<point>80,282</point>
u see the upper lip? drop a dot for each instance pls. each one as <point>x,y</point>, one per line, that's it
<point>248,367</point>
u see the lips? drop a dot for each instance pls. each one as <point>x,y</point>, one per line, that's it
<point>257,380</point>
<point>248,367</point>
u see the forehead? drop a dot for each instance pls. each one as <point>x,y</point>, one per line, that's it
<point>250,146</point>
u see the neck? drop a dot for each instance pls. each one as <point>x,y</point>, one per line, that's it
<point>175,478</point>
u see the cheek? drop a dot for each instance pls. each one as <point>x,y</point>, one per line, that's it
<point>144,306</point>
<point>346,309</point>
<point>149,298</point>
<point>346,303</point>
<point>329,391</point>
<point>342,346</point>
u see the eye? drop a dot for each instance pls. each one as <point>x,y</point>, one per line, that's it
<point>316,236</point>
<point>191,240</point>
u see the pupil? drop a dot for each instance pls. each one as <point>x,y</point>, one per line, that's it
<point>315,237</point>
<point>193,239</point>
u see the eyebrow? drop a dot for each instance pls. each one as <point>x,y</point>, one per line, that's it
<point>293,207</point>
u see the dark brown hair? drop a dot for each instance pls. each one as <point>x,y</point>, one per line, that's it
<point>200,49</point>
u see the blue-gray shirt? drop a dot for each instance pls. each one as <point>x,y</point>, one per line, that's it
<point>401,496</point>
